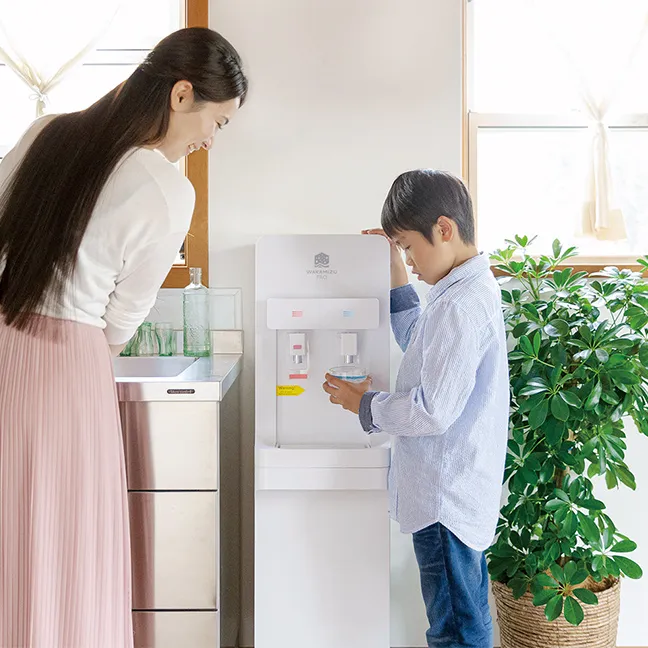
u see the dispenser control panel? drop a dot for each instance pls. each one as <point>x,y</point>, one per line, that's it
<point>319,314</point>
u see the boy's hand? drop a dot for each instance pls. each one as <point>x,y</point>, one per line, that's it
<point>344,393</point>
<point>398,269</point>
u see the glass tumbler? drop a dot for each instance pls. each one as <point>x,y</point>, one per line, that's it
<point>165,338</point>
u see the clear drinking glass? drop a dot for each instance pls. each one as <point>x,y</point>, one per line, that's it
<point>145,342</point>
<point>351,373</point>
<point>165,338</point>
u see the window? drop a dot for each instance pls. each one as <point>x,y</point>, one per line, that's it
<point>135,29</point>
<point>538,73</point>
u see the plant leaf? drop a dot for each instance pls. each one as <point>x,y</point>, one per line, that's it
<point>643,354</point>
<point>531,561</point>
<point>551,331</point>
<point>594,397</point>
<point>545,580</point>
<point>520,329</point>
<point>554,552</point>
<point>597,563</point>
<point>529,476</point>
<point>571,524</point>
<point>570,569</point>
<point>547,471</point>
<point>519,587</point>
<point>526,346</point>
<point>586,596</point>
<point>544,596</point>
<point>628,567</point>
<point>602,460</point>
<point>571,399</point>
<point>611,479</point>
<point>557,572</point>
<point>624,377</point>
<point>573,611</point>
<point>625,546</point>
<point>602,355</point>
<point>561,325</point>
<point>611,566</point>
<point>538,415</point>
<point>583,355</point>
<point>559,408</point>
<point>626,477</point>
<point>530,390</point>
<point>592,504</point>
<point>554,431</point>
<point>579,577</point>
<point>589,528</point>
<point>554,608</point>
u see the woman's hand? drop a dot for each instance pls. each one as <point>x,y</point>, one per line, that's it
<point>398,269</point>
<point>344,393</point>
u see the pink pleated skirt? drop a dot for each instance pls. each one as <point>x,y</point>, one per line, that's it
<point>65,575</point>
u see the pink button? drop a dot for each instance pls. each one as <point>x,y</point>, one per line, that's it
<point>297,347</point>
<point>297,313</point>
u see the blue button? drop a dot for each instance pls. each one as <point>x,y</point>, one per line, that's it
<point>347,313</point>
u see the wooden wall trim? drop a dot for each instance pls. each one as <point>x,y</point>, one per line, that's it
<point>464,90</point>
<point>197,170</point>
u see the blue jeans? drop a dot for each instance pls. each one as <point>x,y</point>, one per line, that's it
<point>454,581</point>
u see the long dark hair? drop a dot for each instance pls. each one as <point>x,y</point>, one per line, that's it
<point>47,204</point>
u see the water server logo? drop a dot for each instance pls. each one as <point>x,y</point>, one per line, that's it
<point>322,267</point>
<point>321,260</point>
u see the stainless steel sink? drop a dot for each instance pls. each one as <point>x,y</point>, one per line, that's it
<point>152,367</point>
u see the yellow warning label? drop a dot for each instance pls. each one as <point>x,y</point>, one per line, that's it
<point>289,390</point>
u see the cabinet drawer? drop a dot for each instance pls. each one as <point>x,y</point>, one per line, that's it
<point>176,629</point>
<point>171,445</point>
<point>174,542</point>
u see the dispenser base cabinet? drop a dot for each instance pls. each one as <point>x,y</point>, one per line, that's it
<point>322,569</point>
<point>184,522</point>
<point>321,505</point>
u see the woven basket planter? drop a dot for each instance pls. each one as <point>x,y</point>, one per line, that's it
<point>522,625</point>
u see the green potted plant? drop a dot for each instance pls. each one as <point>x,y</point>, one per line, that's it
<point>578,370</point>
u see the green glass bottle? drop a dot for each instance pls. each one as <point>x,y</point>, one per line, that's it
<point>195,309</point>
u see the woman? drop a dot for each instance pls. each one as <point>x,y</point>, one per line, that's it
<point>92,215</point>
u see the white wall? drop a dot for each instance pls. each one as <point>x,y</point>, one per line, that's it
<point>345,94</point>
<point>628,511</point>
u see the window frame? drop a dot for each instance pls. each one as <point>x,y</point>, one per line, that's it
<point>473,121</point>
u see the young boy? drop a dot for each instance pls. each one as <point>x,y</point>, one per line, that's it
<point>449,413</point>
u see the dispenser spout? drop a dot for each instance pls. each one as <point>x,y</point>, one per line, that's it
<point>298,348</point>
<point>349,347</point>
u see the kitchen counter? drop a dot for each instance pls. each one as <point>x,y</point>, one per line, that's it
<point>204,379</point>
<point>181,432</point>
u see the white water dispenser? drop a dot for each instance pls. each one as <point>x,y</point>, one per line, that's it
<point>322,525</point>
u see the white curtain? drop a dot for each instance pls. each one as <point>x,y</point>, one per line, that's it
<point>600,40</point>
<point>42,40</point>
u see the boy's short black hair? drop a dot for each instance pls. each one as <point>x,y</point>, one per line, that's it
<point>417,199</point>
